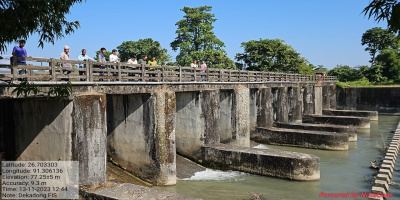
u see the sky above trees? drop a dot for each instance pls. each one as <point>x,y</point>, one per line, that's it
<point>324,32</point>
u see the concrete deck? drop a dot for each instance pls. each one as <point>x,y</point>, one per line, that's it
<point>372,115</point>
<point>360,122</point>
<point>267,162</point>
<point>302,138</point>
<point>351,130</point>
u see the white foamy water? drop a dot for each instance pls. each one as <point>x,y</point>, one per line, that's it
<point>261,146</point>
<point>216,175</point>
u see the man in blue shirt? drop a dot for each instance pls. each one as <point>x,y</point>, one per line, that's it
<point>20,54</point>
<point>83,57</point>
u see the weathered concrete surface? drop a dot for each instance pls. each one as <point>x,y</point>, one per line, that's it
<point>372,115</point>
<point>264,107</point>
<point>225,133</point>
<point>308,100</point>
<point>116,191</point>
<point>211,116</point>
<point>253,109</point>
<point>332,97</point>
<point>298,107</point>
<point>302,138</point>
<point>351,130</point>
<point>241,117</point>
<point>318,100</point>
<point>32,126</point>
<point>141,135</point>
<point>360,122</point>
<point>281,164</point>
<point>381,99</point>
<point>185,168</point>
<point>282,114</point>
<point>326,97</point>
<point>89,137</point>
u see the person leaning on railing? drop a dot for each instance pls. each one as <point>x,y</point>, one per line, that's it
<point>102,58</point>
<point>132,61</point>
<point>203,68</point>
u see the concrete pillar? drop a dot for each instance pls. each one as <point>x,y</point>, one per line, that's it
<point>332,96</point>
<point>282,105</point>
<point>291,103</point>
<point>89,138</point>
<point>308,100</point>
<point>318,100</point>
<point>241,117</point>
<point>141,135</point>
<point>165,121</point>
<point>298,108</point>
<point>211,116</point>
<point>254,93</point>
<point>264,107</point>
<point>326,97</point>
<point>226,109</point>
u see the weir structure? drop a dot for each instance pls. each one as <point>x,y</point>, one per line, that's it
<point>141,118</point>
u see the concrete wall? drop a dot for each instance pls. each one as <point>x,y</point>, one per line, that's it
<point>308,100</point>
<point>381,99</point>
<point>241,117</point>
<point>226,98</point>
<point>52,130</point>
<point>318,96</point>
<point>141,135</point>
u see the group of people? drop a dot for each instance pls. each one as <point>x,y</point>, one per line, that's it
<point>20,53</point>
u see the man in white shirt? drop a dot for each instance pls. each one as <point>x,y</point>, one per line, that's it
<point>66,67</point>
<point>194,63</point>
<point>113,57</point>
<point>132,60</point>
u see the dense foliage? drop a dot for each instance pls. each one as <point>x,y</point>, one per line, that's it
<point>272,55</point>
<point>385,10</point>
<point>143,47</point>
<point>20,19</point>
<point>196,39</point>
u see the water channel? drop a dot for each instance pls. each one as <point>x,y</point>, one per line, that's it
<point>341,172</point>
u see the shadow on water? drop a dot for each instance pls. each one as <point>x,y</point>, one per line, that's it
<point>341,172</point>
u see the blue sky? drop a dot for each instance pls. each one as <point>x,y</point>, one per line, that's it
<point>324,32</point>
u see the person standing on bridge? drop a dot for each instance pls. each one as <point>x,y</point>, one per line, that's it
<point>83,57</point>
<point>203,68</point>
<point>20,54</point>
<point>102,58</point>
<point>66,67</point>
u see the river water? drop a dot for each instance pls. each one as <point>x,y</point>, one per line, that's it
<point>341,172</point>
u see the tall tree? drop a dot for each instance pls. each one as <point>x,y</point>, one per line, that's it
<point>196,40</point>
<point>390,60</point>
<point>272,55</point>
<point>19,19</point>
<point>345,73</point>
<point>378,39</point>
<point>141,47</point>
<point>385,10</point>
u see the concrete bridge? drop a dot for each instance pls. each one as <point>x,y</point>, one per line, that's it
<point>141,118</point>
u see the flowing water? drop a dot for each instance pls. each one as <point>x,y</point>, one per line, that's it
<point>341,172</point>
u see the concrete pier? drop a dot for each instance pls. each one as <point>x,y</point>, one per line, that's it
<point>292,165</point>
<point>318,99</point>
<point>351,130</point>
<point>282,105</point>
<point>142,135</point>
<point>326,97</point>
<point>298,108</point>
<point>241,117</point>
<point>264,107</point>
<point>332,96</point>
<point>308,100</point>
<point>372,115</point>
<point>360,122</point>
<point>302,138</point>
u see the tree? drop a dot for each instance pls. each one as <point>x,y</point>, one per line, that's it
<point>196,40</point>
<point>378,39</point>
<point>385,10</point>
<point>272,55</point>
<point>320,68</point>
<point>20,19</point>
<point>390,61</point>
<point>143,47</point>
<point>345,73</point>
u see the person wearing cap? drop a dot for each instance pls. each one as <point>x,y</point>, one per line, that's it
<point>66,67</point>
<point>20,54</point>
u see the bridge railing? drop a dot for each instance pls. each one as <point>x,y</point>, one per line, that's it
<point>89,71</point>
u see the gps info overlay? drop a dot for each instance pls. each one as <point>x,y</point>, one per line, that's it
<point>40,180</point>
